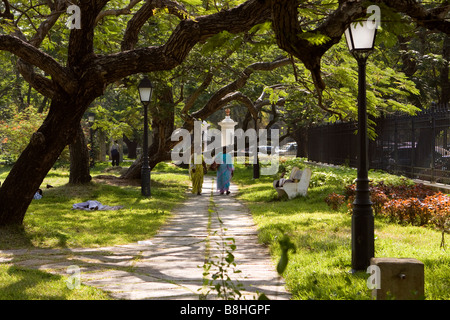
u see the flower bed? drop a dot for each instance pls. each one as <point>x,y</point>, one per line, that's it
<point>417,204</point>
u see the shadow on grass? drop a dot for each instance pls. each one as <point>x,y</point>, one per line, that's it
<point>321,285</point>
<point>28,279</point>
<point>52,222</point>
<point>12,237</point>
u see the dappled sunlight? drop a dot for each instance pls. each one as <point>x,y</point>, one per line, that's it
<point>52,222</point>
<point>319,269</point>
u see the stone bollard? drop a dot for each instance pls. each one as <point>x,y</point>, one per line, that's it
<point>399,279</point>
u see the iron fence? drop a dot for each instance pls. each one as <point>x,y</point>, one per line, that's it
<point>415,146</point>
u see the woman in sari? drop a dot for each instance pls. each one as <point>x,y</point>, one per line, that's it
<point>224,171</point>
<point>196,171</point>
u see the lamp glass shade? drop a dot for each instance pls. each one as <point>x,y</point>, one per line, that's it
<point>361,35</point>
<point>145,90</point>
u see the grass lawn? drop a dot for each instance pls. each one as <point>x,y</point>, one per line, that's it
<point>319,268</point>
<point>24,284</point>
<point>52,223</point>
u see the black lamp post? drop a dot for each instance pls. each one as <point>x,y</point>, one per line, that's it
<point>256,170</point>
<point>145,94</point>
<point>360,38</point>
<point>91,118</point>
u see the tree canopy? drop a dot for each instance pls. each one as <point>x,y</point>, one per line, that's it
<point>112,41</point>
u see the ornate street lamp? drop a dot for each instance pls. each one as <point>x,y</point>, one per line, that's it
<point>145,94</point>
<point>360,38</point>
<point>256,169</point>
<point>91,118</point>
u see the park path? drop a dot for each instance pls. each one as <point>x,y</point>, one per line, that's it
<point>169,265</point>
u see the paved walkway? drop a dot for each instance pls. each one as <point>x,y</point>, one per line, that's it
<point>170,265</point>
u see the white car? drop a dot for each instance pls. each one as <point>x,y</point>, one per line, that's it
<point>288,149</point>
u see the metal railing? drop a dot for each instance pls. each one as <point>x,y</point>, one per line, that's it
<point>415,146</point>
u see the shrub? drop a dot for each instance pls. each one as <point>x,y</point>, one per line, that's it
<point>335,201</point>
<point>415,204</point>
<point>377,196</point>
<point>439,206</point>
<point>16,132</point>
<point>406,211</point>
<point>419,191</point>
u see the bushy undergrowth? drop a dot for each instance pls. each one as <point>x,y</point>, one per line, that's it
<point>396,198</point>
<point>338,176</point>
<point>318,269</point>
<point>417,205</point>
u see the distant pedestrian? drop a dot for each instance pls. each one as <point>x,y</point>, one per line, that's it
<point>197,170</point>
<point>38,195</point>
<point>115,154</point>
<point>225,171</point>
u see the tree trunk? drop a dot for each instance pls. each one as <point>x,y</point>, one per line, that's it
<point>57,131</point>
<point>445,83</point>
<point>84,77</point>
<point>79,159</point>
<point>301,137</point>
<point>101,142</point>
<point>132,147</point>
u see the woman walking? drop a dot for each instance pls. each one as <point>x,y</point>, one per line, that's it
<point>224,171</point>
<point>197,169</point>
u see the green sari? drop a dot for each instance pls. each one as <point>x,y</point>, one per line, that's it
<point>196,174</point>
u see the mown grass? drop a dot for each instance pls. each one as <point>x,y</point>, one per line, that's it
<point>24,284</point>
<point>320,267</point>
<point>52,223</point>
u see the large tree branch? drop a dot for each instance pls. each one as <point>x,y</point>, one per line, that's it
<point>239,96</point>
<point>43,85</point>
<point>291,38</point>
<point>431,19</point>
<point>193,97</point>
<point>144,13</point>
<point>187,34</point>
<point>228,92</point>
<point>7,13</point>
<point>36,57</point>
<point>81,41</point>
<point>117,12</point>
<point>57,8</point>
<point>40,83</point>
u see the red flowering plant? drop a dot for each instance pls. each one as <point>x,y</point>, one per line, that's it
<point>406,211</point>
<point>416,204</point>
<point>439,207</point>
<point>377,196</point>
<point>335,201</point>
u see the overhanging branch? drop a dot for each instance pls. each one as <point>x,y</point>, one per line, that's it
<point>40,59</point>
<point>224,94</point>
<point>186,35</point>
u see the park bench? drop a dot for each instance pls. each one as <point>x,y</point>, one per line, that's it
<point>296,185</point>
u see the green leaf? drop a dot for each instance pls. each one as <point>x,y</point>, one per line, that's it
<point>314,38</point>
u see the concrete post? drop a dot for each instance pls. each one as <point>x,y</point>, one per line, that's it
<point>400,279</point>
<point>227,127</point>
